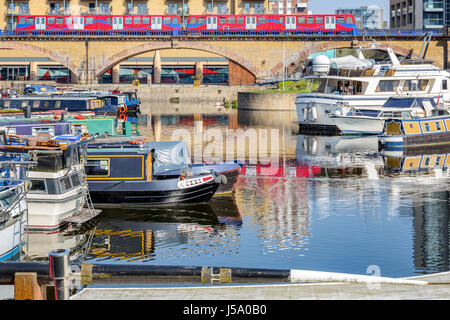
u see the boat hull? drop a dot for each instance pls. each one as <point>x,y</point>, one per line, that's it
<point>359,125</point>
<point>148,193</point>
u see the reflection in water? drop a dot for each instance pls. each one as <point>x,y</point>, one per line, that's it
<point>313,202</point>
<point>167,234</point>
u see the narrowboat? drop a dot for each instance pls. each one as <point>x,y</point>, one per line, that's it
<point>40,90</point>
<point>58,190</point>
<point>57,102</point>
<point>127,174</point>
<point>103,125</point>
<point>34,126</point>
<point>113,102</point>
<point>13,206</point>
<point>423,132</point>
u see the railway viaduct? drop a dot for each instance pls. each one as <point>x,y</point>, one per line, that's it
<point>250,59</point>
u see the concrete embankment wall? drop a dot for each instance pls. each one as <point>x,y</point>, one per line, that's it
<point>267,109</point>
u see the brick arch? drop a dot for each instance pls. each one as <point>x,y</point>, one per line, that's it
<point>54,55</point>
<point>303,54</point>
<point>113,60</point>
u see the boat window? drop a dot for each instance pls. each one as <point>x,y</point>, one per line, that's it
<point>43,130</point>
<point>387,86</point>
<point>8,130</point>
<point>65,184</point>
<point>310,20</point>
<point>444,84</point>
<point>38,185</point>
<point>427,161</point>
<point>427,127</point>
<point>319,20</point>
<point>415,85</point>
<point>52,186</point>
<point>7,103</point>
<point>97,167</point>
<point>438,160</point>
<point>438,126</point>
<point>75,179</point>
<point>36,104</point>
<point>58,104</point>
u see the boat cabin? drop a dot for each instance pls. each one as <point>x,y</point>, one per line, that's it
<point>55,102</point>
<point>33,127</point>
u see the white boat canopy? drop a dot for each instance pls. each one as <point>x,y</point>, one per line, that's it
<point>351,62</point>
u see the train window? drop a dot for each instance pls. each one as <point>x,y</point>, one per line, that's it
<point>319,20</point>
<point>222,20</point>
<point>230,20</point>
<point>201,20</point>
<point>22,20</point>
<point>349,20</point>
<point>175,20</point>
<point>59,21</point>
<point>89,20</point>
<point>340,20</point>
<point>240,20</point>
<point>51,20</point>
<point>30,20</point>
<point>261,20</point>
<point>166,20</point>
<point>145,20</point>
<point>108,20</point>
<point>192,20</point>
<point>137,20</point>
<point>281,19</point>
<point>128,20</point>
<point>68,20</point>
<point>310,20</point>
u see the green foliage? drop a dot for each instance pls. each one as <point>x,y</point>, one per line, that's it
<point>300,86</point>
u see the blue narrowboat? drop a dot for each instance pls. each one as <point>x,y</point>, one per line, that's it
<point>30,126</point>
<point>57,102</point>
<point>399,134</point>
<point>126,174</point>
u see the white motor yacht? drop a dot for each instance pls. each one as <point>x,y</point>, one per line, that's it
<point>340,84</point>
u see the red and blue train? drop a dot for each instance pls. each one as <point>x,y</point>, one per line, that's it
<point>211,24</point>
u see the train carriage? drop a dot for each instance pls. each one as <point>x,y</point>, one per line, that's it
<point>213,24</point>
<point>270,24</point>
<point>99,24</point>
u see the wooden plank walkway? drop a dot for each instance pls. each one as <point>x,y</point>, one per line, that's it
<point>438,288</point>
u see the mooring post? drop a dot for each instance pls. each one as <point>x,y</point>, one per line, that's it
<point>59,272</point>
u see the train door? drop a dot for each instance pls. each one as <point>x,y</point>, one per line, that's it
<point>211,23</point>
<point>39,23</point>
<point>117,23</point>
<point>157,23</point>
<point>78,23</point>
<point>330,22</point>
<point>250,23</point>
<point>291,22</point>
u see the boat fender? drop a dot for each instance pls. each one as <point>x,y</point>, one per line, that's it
<point>123,108</point>
<point>80,117</point>
<point>220,179</point>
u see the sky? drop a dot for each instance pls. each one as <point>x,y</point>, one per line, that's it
<point>328,6</point>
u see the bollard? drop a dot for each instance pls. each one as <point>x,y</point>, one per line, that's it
<point>59,272</point>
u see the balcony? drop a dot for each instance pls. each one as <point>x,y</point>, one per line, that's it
<point>410,9</point>
<point>17,11</point>
<point>433,6</point>
<point>96,11</point>
<point>139,11</point>
<point>433,23</point>
<point>51,11</point>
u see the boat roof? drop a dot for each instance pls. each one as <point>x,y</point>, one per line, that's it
<point>408,102</point>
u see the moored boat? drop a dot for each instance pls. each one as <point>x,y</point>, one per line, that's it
<point>361,122</point>
<point>125,174</point>
<point>423,132</point>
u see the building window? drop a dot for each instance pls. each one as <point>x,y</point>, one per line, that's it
<point>222,8</point>
<point>173,8</point>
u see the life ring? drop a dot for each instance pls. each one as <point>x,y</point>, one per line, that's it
<point>80,117</point>
<point>122,117</point>
<point>123,109</point>
<point>136,141</point>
